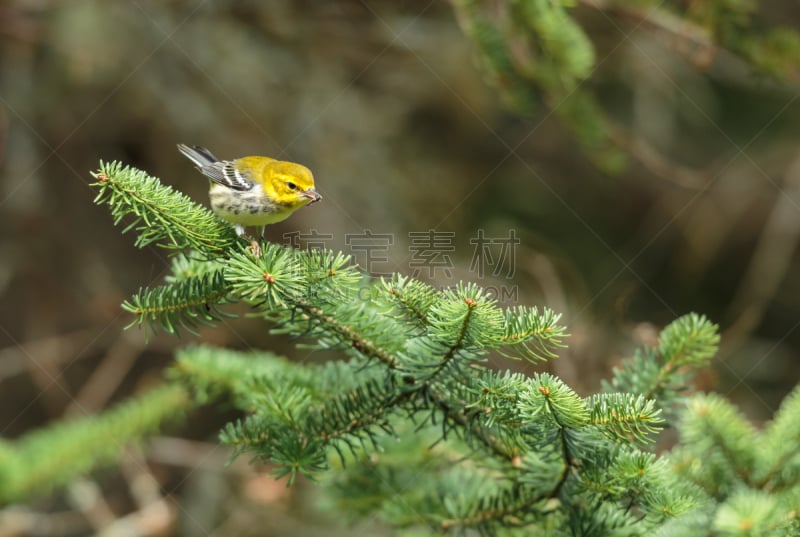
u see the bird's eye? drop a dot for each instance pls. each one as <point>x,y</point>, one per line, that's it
<point>291,186</point>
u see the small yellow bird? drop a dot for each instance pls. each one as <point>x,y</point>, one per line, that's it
<point>253,191</point>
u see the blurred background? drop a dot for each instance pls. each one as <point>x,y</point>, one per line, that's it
<point>430,163</point>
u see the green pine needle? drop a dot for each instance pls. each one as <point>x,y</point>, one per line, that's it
<point>53,456</point>
<point>510,450</point>
<point>159,214</point>
<point>186,303</point>
<point>690,340</point>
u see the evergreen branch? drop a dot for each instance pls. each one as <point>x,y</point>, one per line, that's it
<point>346,333</point>
<point>690,340</point>
<point>271,430</point>
<point>278,437</point>
<point>544,470</point>
<point>497,394</point>
<point>495,56</point>
<point>160,214</point>
<point>632,469</point>
<point>712,427</point>
<point>421,388</point>
<point>333,272</point>
<point>563,46</point>
<point>481,503</point>
<point>185,265</point>
<point>530,334</point>
<point>209,372</point>
<point>686,344</point>
<point>412,298</point>
<point>779,463</point>
<point>625,416</point>
<point>273,280</point>
<point>548,397</point>
<point>644,481</point>
<point>282,276</point>
<point>355,413</point>
<point>54,455</point>
<point>322,404</point>
<point>293,288</point>
<point>471,427</point>
<point>534,52</point>
<point>292,432</point>
<point>462,324</point>
<point>555,407</point>
<point>542,44</point>
<point>507,508</point>
<point>751,512</point>
<point>447,319</point>
<point>749,481</point>
<point>186,303</point>
<point>250,376</point>
<point>551,458</point>
<point>465,317</point>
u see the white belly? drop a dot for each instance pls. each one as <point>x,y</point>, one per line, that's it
<point>251,208</point>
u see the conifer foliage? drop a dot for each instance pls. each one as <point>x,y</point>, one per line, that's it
<point>411,424</point>
<point>412,410</point>
<point>538,54</point>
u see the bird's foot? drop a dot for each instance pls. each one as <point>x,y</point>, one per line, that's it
<point>255,248</point>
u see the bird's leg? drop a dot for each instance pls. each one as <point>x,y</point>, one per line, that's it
<point>254,243</point>
<point>254,246</point>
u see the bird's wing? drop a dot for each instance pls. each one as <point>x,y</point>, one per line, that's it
<point>200,156</point>
<point>224,173</point>
<point>232,177</point>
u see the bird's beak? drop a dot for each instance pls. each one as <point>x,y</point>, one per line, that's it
<point>312,195</point>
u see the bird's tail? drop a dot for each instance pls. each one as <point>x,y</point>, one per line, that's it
<point>199,155</point>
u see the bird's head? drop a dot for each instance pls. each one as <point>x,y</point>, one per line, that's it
<point>292,184</point>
